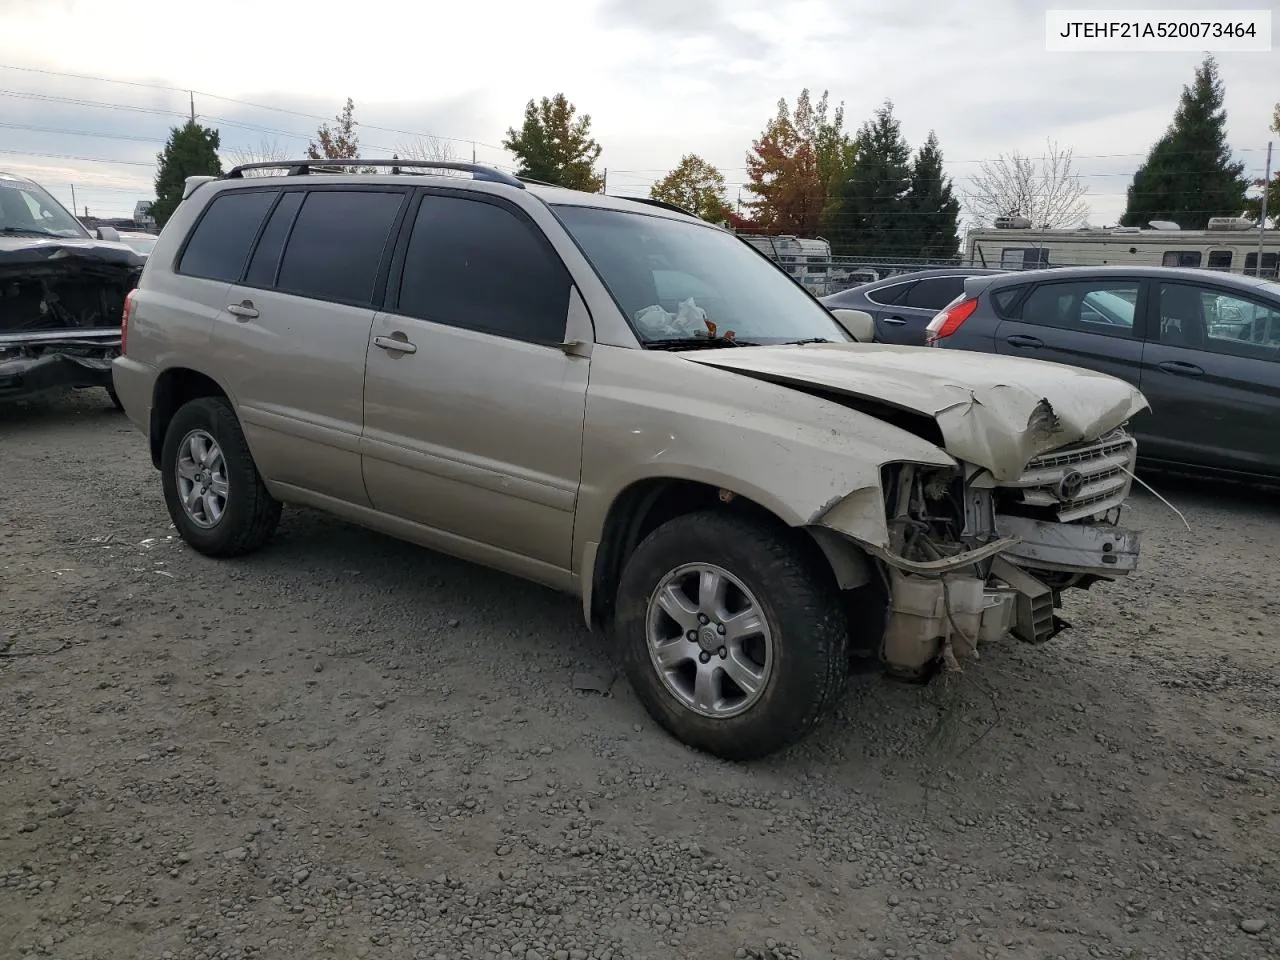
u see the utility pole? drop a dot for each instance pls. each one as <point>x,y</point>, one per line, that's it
<point>193,105</point>
<point>1262,213</point>
<point>473,152</point>
<point>73,198</point>
<point>604,181</point>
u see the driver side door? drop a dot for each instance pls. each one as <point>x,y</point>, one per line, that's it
<point>473,401</point>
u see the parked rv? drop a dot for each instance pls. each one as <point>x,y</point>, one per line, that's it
<point>1229,244</point>
<point>808,261</point>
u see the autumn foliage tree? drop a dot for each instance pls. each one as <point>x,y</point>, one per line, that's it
<point>339,141</point>
<point>694,185</point>
<point>795,167</point>
<point>554,145</point>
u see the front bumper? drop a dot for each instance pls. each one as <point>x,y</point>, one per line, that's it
<point>39,361</point>
<point>1029,539</point>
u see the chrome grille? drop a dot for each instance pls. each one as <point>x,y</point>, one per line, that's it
<point>1082,480</point>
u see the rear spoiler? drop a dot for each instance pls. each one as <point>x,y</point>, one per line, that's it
<point>193,183</point>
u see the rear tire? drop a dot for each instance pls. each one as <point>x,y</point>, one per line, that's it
<point>212,488</point>
<point>712,569</point>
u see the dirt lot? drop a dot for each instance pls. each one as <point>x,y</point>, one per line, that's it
<point>349,747</point>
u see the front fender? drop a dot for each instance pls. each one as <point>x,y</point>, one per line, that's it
<point>807,460</point>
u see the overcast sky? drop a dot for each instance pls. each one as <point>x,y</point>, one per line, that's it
<point>659,78</point>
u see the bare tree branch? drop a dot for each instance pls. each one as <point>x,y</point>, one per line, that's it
<point>429,148</point>
<point>426,148</point>
<point>1046,190</point>
<point>266,151</point>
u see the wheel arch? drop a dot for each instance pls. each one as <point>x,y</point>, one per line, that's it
<point>173,388</point>
<point>646,504</point>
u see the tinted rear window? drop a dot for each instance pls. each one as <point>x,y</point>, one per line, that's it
<point>262,269</point>
<point>337,245</point>
<point>934,293</point>
<point>1005,299</point>
<point>219,246</point>
<point>890,295</point>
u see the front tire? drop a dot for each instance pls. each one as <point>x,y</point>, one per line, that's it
<point>732,636</point>
<point>212,488</point>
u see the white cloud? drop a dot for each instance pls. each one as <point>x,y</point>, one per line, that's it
<point>659,78</point>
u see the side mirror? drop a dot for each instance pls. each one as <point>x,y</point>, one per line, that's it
<point>857,323</point>
<point>110,234</point>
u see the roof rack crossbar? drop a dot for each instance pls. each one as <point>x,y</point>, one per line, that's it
<point>295,168</point>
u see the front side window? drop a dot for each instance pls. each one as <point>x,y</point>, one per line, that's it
<point>26,208</point>
<point>219,245</point>
<point>1088,306</point>
<point>1216,321</point>
<point>337,245</point>
<point>478,266</point>
<point>739,292</point>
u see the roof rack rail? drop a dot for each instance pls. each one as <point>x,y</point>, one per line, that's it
<point>657,203</point>
<point>297,168</point>
<point>537,183</point>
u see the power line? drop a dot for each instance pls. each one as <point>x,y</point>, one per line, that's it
<point>79,133</point>
<point>63,156</point>
<point>244,103</point>
<point>1003,159</point>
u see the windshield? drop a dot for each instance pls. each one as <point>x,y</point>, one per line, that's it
<point>27,208</point>
<point>677,280</point>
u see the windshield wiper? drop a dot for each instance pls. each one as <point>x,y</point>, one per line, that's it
<point>686,343</point>
<point>799,343</point>
<point>31,231</point>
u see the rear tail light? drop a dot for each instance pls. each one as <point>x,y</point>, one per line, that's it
<point>949,320</point>
<point>124,321</point>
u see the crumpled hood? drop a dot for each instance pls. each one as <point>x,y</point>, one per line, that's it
<point>20,250</point>
<point>993,411</point>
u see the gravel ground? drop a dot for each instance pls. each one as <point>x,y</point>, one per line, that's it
<point>346,746</point>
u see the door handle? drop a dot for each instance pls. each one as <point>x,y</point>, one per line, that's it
<point>244,310</point>
<point>895,321</point>
<point>396,344</point>
<point>1181,367</point>
<point>1022,340</point>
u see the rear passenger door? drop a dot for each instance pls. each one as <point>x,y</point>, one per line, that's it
<point>474,406</point>
<point>1211,371</point>
<point>1082,323</point>
<point>904,321</point>
<point>885,310</point>
<point>292,339</point>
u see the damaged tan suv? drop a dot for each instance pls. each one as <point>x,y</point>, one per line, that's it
<point>620,401</point>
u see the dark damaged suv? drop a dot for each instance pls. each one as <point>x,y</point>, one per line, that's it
<point>61,295</point>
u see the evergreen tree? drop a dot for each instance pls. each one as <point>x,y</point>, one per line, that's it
<point>874,199</point>
<point>192,151</point>
<point>1189,175</point>
<point>933,211</point>
<point>556,147</point>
